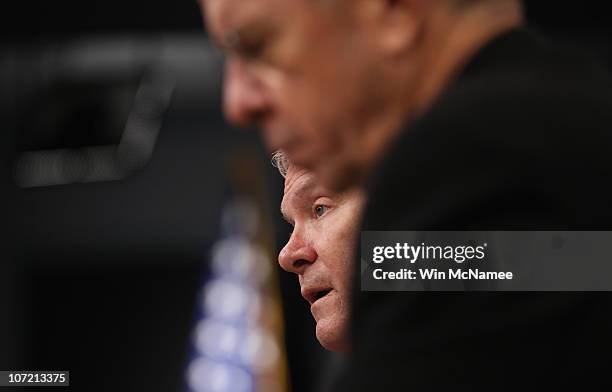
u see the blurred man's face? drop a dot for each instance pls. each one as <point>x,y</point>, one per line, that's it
<point>296,70</point>
<point>320,250</point>
<point>330,82</point>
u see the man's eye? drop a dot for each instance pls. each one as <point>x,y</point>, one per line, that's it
<point>320,209</point>
<point>251,50</point>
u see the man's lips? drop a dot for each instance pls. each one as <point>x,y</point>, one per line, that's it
<point>312,295</point>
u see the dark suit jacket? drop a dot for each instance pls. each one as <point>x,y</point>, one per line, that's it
<point>522,139</point>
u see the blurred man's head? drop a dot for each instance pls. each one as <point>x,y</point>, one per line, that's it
<point>321,248</point>
<point>330,81</point>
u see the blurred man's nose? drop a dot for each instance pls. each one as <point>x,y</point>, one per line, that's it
<point>297,255</point>
<point>245,101</point>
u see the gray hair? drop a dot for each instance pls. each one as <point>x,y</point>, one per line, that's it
<point>281,161</point>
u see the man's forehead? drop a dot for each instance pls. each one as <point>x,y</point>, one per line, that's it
<point>298,180</point>
<point>297,183</point>
<point>226,16</point>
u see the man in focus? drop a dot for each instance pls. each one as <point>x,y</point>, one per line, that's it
<point>321,248</point>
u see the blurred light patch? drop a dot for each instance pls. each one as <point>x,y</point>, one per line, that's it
<point>235,346</point>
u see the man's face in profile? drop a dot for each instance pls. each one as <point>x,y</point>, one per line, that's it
<point>320,250</point>
<point>294,70</point>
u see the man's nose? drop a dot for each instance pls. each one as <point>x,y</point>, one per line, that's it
<point>297,255</point>
<point>245,101</point>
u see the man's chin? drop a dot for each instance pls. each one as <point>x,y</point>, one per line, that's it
<point>332,334</point>
<point>333,169</point>
<point>337,172</point>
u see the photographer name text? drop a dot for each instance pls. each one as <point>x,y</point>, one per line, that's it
<point>411,254</point>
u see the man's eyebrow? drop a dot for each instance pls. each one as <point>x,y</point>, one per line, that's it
<point>244,37</point>
<point>298,195</point>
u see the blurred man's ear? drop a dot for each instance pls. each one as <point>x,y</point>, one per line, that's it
<point>393,26</point>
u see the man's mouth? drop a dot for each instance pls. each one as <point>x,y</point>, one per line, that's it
<point>322,294</point>
<point>313,296</point>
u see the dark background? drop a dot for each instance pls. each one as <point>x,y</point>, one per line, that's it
<point>101,278</point>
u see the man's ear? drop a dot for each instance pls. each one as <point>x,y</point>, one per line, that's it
<point>394,26</point>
